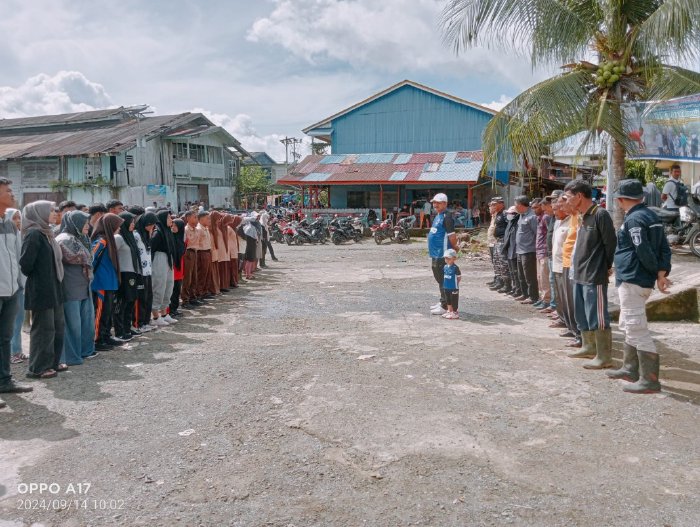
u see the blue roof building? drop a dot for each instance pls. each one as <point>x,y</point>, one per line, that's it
<point>407,118</point>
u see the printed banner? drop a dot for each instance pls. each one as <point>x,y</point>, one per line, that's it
<point>665,130</point>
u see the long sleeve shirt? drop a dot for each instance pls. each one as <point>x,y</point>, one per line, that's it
<point>595,247</point>
<point>526,237</point>
<point>541,243</point>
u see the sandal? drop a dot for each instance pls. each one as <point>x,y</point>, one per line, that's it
<point>48,374</point>
<point>24,356</point>
<point>16,359</point>
<point>62,367</point>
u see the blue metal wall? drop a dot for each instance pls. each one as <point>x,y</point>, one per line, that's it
<point>409,120</point>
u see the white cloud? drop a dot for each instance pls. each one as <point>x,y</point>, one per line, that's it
<point>499,104</point>
<point>242,128</point>
<point>64,92</point>
<point>390,36</point>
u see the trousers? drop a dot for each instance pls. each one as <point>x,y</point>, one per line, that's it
<point>103,302</point>
<point>46,340</point>
<point>591,306</point>
<point>438,267</point>
<point>633,316</point>
<point>189,281</point>
<point>203,272</point>
<point>9,305</point>
<point>516,286</point>
<point>79,332</point>
<point>568,301</point>
<point>162,281</point>
<point>527,271</point>
<point>543,280</point>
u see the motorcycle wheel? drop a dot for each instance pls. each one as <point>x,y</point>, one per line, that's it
<point>336,240</point>
<point>694,243</point>
<point>288,239</point>
<point>298,240</point>
<point>378,240</point>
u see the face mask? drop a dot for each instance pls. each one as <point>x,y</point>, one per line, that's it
<point>510,216</point>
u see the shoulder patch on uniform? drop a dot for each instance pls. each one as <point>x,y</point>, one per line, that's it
<point>636,234</point>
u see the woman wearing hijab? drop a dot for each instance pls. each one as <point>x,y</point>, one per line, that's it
<point>105,283</point>
<point>214,288</point>
<point>232,223</point>
<point>251,238</point>
<point>130,277</point>
<point>144,229</point>
<point>79,337</point>
<point>178,265</point>
<point>41,262</point>
<point>15,216</point>
<point>163,255</point>
<point>223,253</point>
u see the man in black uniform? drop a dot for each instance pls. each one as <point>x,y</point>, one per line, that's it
<point>642,258</point>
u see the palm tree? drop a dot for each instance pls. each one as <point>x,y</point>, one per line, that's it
<point>611,52</point>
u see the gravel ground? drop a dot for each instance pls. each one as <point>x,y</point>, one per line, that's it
<point>323,393</point>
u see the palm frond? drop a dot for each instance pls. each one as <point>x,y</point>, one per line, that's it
<point>668,82</point>
<point>672,31</point>
<point>543,114</point>
<point>551,31</point>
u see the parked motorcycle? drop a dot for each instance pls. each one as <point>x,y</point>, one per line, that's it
<point>344,229</point>
<point>682,226</point>
<point>382,231</point>
<point>401,232</point>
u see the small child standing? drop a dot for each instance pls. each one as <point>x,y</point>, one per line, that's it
<point>451,284</point>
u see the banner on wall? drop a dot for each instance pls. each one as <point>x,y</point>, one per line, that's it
<point>156,194</point>
<point>665,130</point>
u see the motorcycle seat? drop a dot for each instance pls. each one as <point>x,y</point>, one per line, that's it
<point>666,215</point>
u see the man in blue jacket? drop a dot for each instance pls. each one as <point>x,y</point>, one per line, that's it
<point>642,258</point>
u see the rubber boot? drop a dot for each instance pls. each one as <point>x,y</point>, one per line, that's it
<point>649,374</point>
<point>497,284</point>
<point>603,357</point>
<point>506,286</point>
<point>588,346</point>
<point>630,365</point>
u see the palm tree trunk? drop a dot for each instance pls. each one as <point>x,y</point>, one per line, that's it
<point>617,169</point>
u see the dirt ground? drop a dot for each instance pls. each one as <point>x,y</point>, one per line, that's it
<point>324,394</point>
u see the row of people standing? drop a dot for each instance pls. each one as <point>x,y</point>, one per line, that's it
<point>580,248</point>
<point>94,280</point>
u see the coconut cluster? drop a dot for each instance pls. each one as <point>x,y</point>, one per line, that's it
<point>608,74</point>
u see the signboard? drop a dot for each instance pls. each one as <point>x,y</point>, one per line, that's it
<point>156,194</point>
<point>665,130</point>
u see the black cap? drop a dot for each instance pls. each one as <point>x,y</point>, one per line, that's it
<point>630,189</point>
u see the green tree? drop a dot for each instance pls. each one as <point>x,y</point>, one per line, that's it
<point>252,183</point>
<point>633,47</point>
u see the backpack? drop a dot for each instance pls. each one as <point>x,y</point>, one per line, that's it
<point>681,197</point>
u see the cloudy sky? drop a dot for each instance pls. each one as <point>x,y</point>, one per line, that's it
<point>264,69</point>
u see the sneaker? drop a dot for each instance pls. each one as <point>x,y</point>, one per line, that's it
<point>103,346</point>
<point>113,342</point>
<point>446,315</point>
<point>539,305</point>
<point>169,319</point>
<point>453,316</point>
<point>438,311</point>
<point>92,356</point>
<point>136,331</point>
<point>435,306</point>
<point>146,328</point>
<point>160,322</point>
<point>12,387</point>
<point>122,338</point>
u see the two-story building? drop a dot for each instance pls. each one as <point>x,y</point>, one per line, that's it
<point>120,153</point>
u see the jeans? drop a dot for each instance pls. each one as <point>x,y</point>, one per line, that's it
<point>8,311</point>
<point>79,335</point>
<point>19,320</point>
<point>438,266</point>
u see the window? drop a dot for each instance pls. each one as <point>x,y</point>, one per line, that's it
<point>180,150</point>
<point>198,153</point>
<point>357,199</point>
<point>215,155</point>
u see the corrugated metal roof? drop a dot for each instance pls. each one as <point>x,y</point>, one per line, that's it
<point>103,138</point>
<point>62,119</point>
<point>439,167</point>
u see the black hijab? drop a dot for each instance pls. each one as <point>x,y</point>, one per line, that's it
<point>163,239</point>
<point>179,237</point>
<point>128,237</point>
<point>146,219</point>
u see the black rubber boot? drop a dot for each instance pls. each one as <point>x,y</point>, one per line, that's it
<point>588,346</point>
<point>498,283</point>
<point>630,365</point>
<point>603,357</point>
<point>649,374</point>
